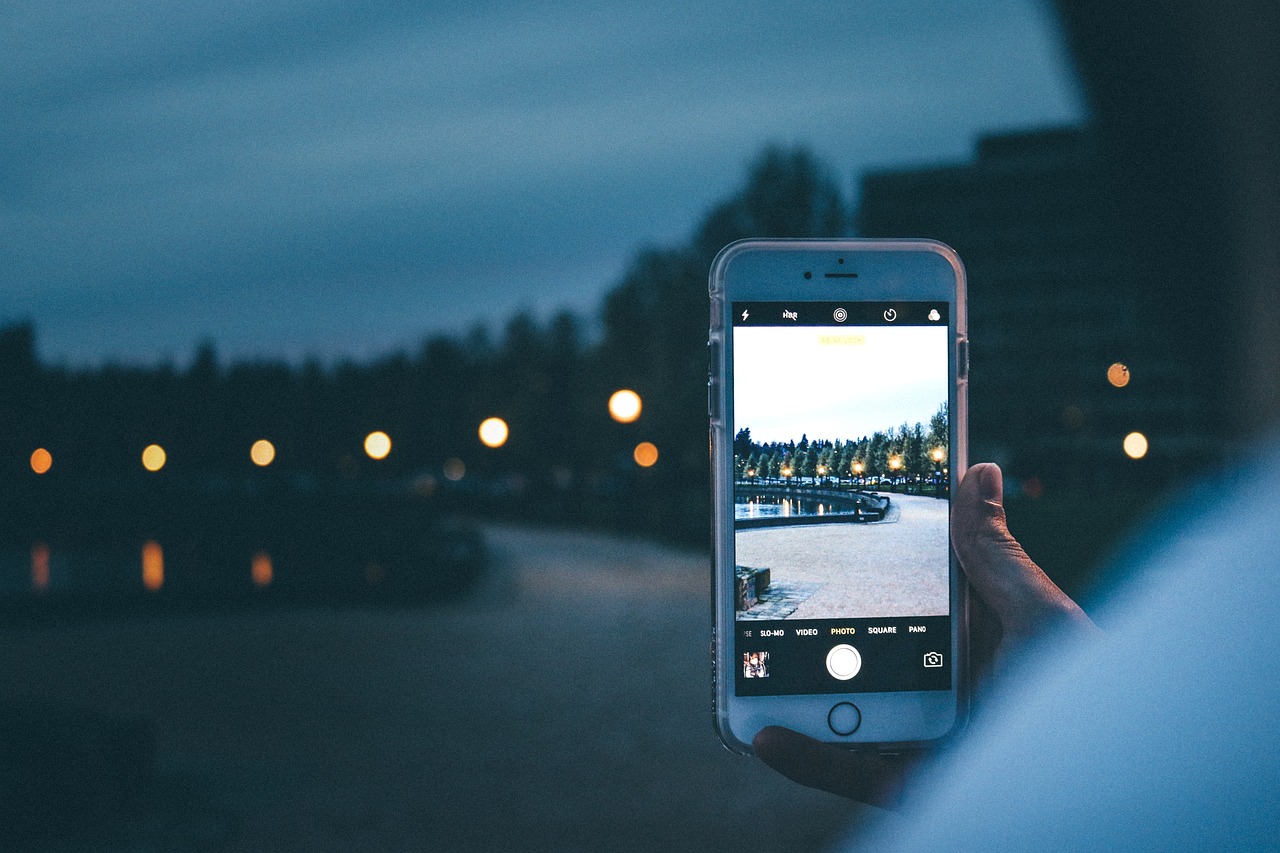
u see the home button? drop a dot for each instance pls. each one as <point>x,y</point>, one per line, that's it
<point>844,718</point>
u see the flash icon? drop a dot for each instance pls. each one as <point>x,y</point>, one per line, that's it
<point>745,314</point>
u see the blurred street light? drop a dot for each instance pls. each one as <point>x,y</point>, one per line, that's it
<point>377,444</point>
<point>493,432</point>
<point>1135,445</point>
<point>153,458</point>
<point>645,454</point>
<point>625,406</point>
<point>262,453</point>
<point>1118,375</point>
<point>41,460</point>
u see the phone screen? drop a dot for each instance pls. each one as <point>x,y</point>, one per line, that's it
<point>841,441</point>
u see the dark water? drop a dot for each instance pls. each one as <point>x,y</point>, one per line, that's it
<point>212,552</point>
<point>766,506</point>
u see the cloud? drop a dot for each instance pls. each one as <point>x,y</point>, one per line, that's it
<point>321,156</point>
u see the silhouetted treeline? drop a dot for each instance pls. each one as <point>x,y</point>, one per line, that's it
<point>565,459</point>
<point>905,451</point>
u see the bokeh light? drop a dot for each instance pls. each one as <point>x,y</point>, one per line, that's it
<point>454,469</point>
<point>1135,445</point>
<point>624,406</point>
<point>41,460</point>
<point>152,565</point>
<point>645,454</point>
<point>153,457</point>
<point>263,453</point>
<point>1118,375</point>
<point>377,444</point>
<point>493,432</point>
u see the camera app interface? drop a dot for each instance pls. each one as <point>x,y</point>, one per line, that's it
<point>841,497</point>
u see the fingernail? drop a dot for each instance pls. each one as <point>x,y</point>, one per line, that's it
<point>992,483</point>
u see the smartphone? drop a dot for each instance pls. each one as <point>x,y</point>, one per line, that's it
<point>837,396</point>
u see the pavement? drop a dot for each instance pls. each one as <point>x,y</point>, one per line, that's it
<point>564,706</point>
<point>896,567</point>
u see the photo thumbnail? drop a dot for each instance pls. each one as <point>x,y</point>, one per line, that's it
<point>755,665</point>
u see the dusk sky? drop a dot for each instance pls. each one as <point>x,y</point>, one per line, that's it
<point>336,178</point>
<point>855,380</point>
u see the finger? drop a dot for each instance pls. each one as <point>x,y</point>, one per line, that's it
<point>867,777</point>
<point>1008,581</point>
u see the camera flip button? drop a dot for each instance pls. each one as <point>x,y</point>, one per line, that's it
<point>844,718</point>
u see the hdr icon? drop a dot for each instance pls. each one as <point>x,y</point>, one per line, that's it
<point>933,659</point>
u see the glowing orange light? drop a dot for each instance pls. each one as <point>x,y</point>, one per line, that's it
<point>493,432</point>
<point>152,565</point>
<point>1135,445</point>
<point>625,406</point>
<point>154,457</point>
<point>857,467</point>
<point>454,470</point>
<point>261,569</point>
<point>1118,375</point>
<point>377,444</point>
<point>645,454</point>
<point>263,453</point>
<point>41,460</point>
<point>938,454</point>
<point>895,462</point>
<point>39,567</point>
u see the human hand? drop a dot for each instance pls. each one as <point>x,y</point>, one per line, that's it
<point>1014,602</point>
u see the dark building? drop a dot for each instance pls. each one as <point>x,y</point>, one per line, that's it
<point>1052,306</point>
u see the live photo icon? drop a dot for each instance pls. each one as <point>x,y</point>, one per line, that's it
<point>933,659</point>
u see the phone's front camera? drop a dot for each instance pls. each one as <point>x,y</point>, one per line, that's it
<point>808,274</point>
<point>840,260</point>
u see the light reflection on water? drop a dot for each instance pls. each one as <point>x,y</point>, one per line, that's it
<point>261,569</point>
<point>152,565</point>
<point>771,507</point>
<point>39,567</point>
<point>44,569</point>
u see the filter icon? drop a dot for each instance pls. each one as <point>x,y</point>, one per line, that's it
<point>840,315</point>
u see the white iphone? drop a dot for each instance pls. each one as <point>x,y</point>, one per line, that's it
<point>838,401</point>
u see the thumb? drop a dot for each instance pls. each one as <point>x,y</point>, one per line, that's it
<point>1009,582</point>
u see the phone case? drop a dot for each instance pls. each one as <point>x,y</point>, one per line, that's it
<point>721,474</point>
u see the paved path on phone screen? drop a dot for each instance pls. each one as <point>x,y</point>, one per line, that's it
<point>883,569</point>
<point>565,707</point>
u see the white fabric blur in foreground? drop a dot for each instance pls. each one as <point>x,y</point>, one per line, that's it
<point>1162,734</point>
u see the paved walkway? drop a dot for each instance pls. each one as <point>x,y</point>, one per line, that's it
<point>566,708</point>
<point>891,568</point>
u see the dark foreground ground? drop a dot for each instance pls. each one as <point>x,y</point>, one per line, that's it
<point>565,705</point>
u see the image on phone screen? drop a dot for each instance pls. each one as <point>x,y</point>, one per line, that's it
<point>841,496</point>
